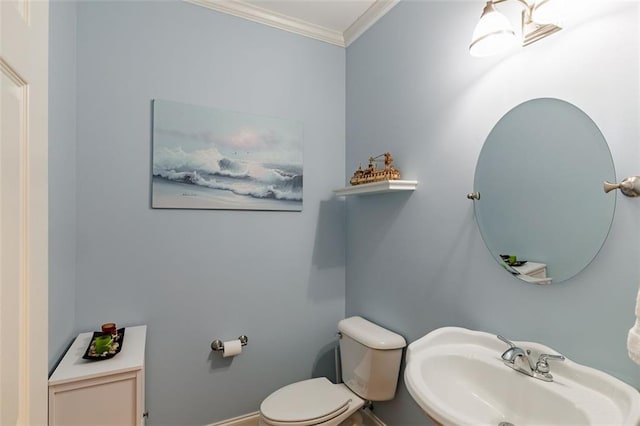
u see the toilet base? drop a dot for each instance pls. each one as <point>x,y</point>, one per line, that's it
<point>353,420</point>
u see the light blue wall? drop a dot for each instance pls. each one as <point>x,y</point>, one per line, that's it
<point>197,275</point>
<point>416,262</point>
<point>62,177</point>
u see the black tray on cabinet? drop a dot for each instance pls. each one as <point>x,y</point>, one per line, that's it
<point>91,355</point>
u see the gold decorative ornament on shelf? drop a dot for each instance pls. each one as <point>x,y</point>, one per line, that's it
<point>373,174</point>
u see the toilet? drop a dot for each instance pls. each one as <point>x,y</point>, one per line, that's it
<point>370,359</point>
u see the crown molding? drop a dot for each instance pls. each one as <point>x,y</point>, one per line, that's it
<point>273,19</point>
<point>260,15</point>
<point>377,10</point>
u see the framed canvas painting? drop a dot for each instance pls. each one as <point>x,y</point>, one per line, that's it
<point>205,158</point>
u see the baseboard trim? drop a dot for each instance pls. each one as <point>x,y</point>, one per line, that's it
<point>250,419</point>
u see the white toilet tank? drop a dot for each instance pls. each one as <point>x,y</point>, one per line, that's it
<point>370,358</point>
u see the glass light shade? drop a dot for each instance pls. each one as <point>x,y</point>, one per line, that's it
<point>549,11</point>
<point>493,33</point>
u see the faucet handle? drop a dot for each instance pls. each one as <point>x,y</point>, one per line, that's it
<point>507,341</point>
<point>542,366</point>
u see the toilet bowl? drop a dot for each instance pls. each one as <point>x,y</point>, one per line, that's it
<point>370,360</point>
<point>311,402</point>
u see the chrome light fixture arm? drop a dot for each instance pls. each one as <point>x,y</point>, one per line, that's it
<point>524,2</point>
<point>533,31</point>
<point>527,12</point>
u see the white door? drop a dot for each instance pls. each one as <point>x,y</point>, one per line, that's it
<point>23,212</point>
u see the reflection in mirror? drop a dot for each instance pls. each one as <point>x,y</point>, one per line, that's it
<point>542,212</point>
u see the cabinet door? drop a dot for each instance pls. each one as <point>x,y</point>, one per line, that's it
<point>109,400</point>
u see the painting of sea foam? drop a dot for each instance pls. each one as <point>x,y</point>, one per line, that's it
<point>205,158</point>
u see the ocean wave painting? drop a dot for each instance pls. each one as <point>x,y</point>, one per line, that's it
<point>204,158</point>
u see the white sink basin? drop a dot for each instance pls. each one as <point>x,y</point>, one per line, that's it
<point>458,378</point>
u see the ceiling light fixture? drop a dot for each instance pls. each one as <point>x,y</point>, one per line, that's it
<point>494,33</point>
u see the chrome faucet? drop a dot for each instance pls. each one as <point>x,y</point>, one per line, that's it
<point>518,359</point>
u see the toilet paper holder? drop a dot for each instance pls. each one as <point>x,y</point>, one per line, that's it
<point>218,345</point>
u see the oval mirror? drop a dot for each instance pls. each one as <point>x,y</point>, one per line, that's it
<point>542,212</point>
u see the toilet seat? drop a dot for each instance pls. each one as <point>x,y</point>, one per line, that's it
<point>305,403</point>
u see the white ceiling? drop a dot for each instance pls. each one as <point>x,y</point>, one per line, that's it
<point>337,22</point>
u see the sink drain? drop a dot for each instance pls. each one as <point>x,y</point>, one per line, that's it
<point>505,424</point>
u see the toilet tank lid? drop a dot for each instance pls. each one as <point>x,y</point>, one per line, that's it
<point>370,334</point>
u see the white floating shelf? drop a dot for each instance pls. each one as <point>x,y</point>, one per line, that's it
<point>378,187</point>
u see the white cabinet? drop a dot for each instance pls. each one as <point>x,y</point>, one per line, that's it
<point>533,269</point>
<point>533,272</point>
<point>108,392</point>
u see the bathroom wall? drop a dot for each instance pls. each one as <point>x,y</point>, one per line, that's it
<point>197,275</point>
<point>416,262</point>
<point>62,177</point>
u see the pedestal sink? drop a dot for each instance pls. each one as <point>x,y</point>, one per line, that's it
<point>457,377</point>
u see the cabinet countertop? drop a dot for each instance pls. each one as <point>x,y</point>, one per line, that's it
<point>74,367</point>
<point>530,268</point>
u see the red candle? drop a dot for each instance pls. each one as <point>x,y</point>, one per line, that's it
<point>109,328</point>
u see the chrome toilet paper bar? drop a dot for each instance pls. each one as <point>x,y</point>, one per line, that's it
<point>218,345</point>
